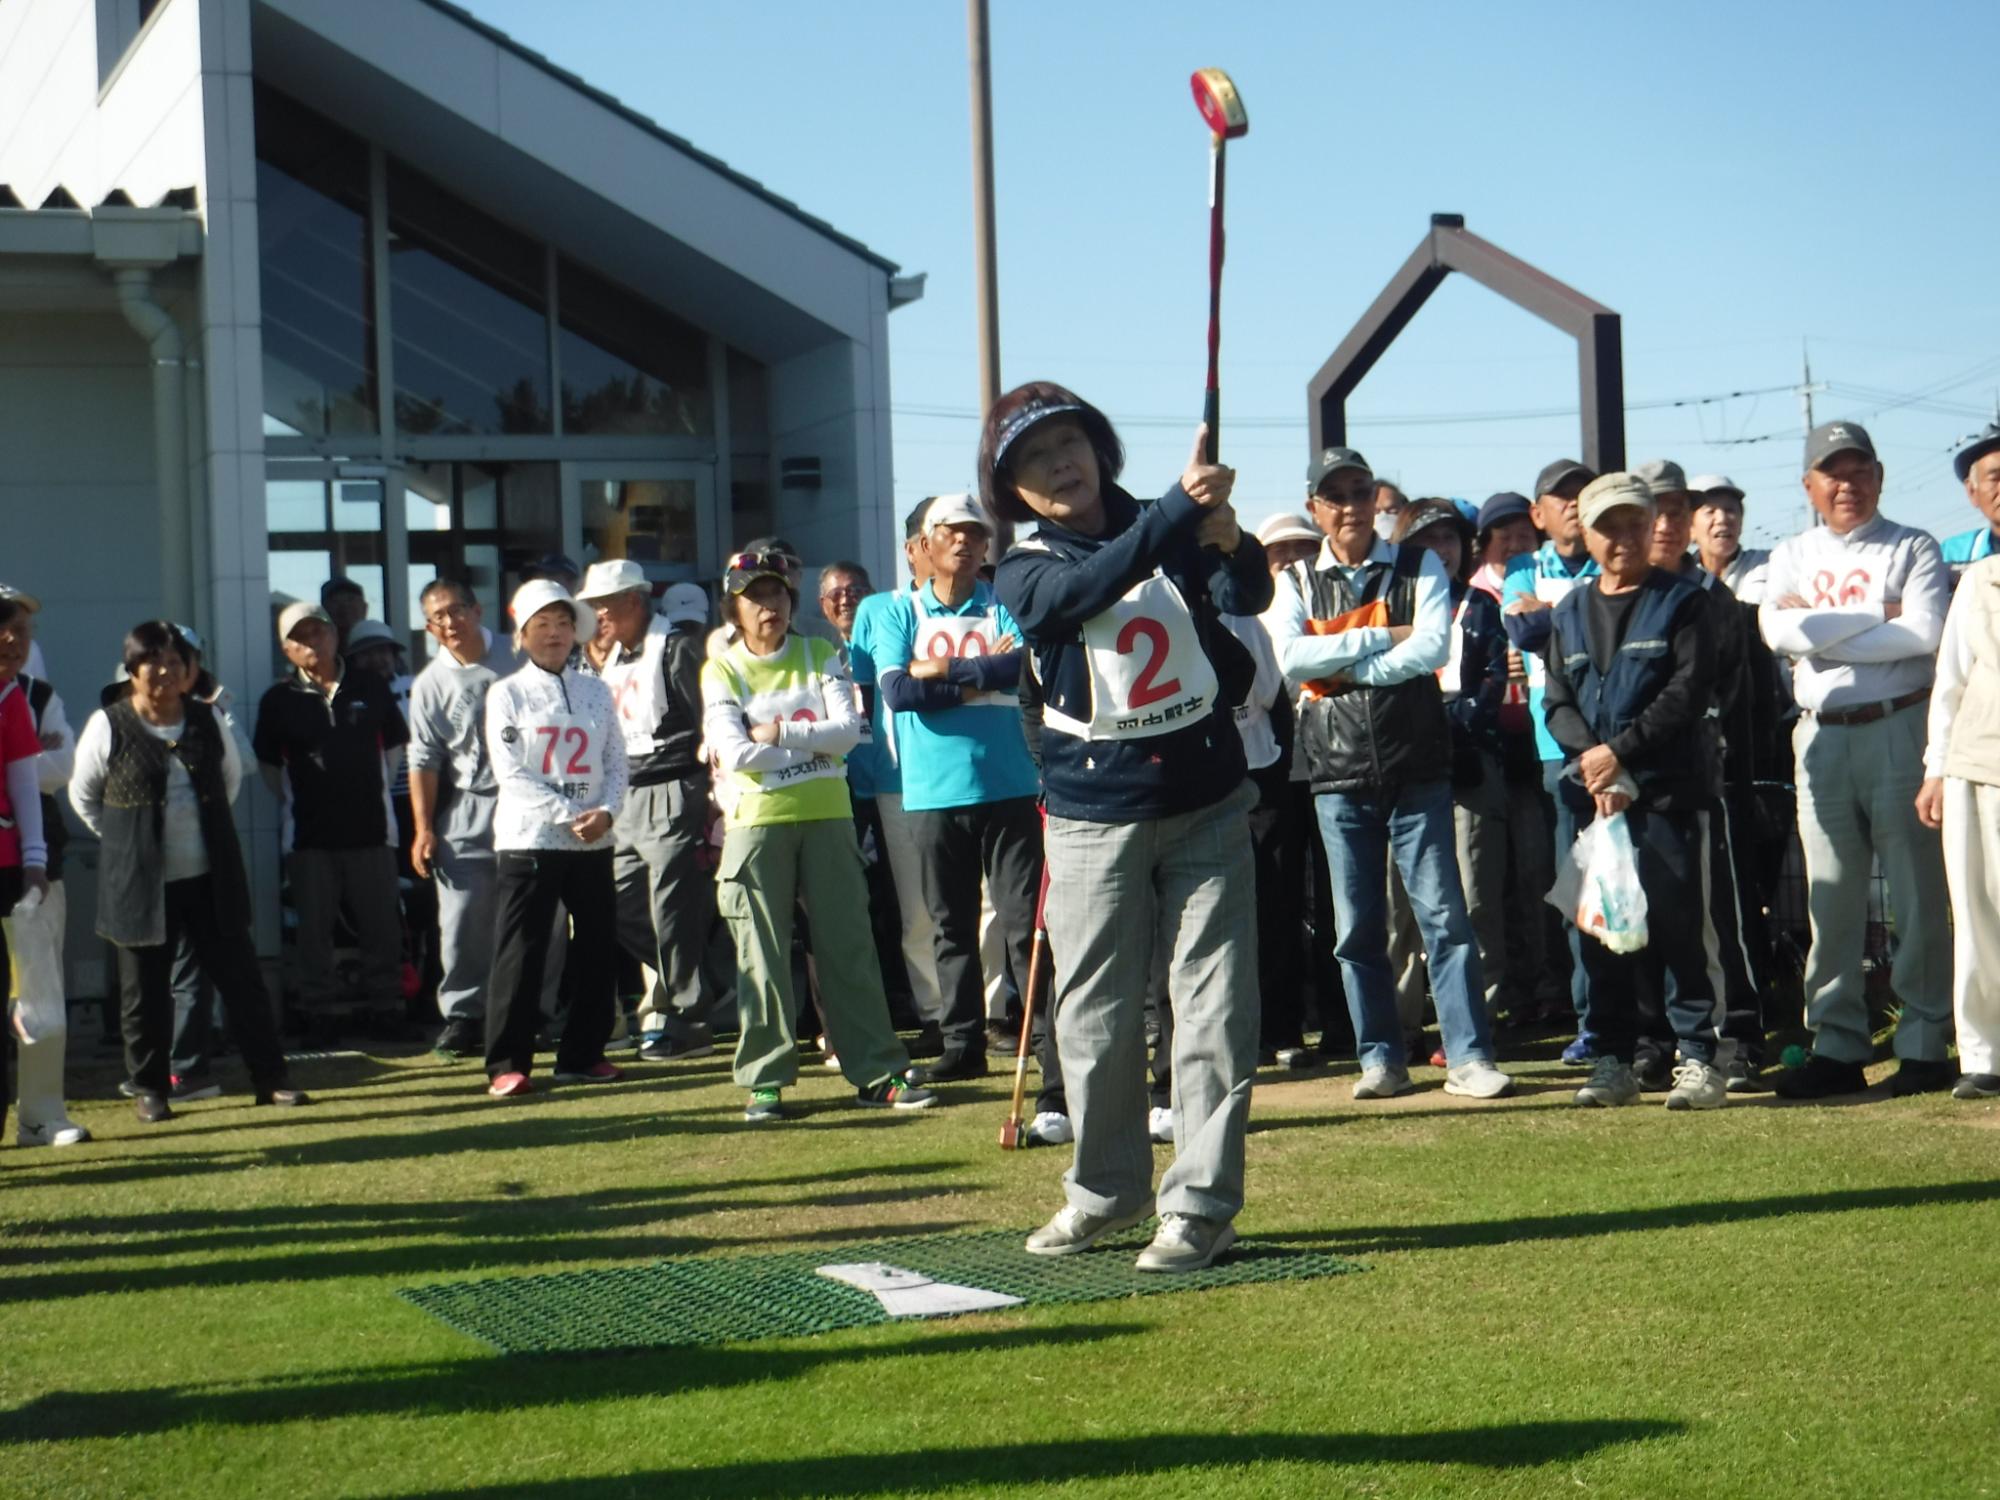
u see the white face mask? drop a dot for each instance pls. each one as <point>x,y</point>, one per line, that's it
<point>1385,527</point>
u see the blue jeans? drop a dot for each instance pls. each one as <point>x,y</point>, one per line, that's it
<point>1567,829</point>
<point>1360,832</point>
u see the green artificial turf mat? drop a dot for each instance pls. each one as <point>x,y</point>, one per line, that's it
<point>727,1299</point>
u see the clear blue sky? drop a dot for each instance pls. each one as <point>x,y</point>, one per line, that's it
<point>1731,178</point>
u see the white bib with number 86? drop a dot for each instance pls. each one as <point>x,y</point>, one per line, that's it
<point>946,636</point>
<point>1148,673</point>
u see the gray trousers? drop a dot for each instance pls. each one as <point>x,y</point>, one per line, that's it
<point>465,874</point>
<point>1119,893</point>
<point>1857,796</point>
<point>666,901</point>
<point>365,880</point>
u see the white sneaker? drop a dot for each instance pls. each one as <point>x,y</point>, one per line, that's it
<point>1381,1083</point>
<point>1072,1230</point>
<point>1160,1125</point>
<point>1293,1057</point>
<point>827,1059</point>
<point>1050,1129</point>
<point>1186,1242</point>
<point>1478,1080</point>
<point>66,1133</point>
<point>1698,1085</point>
<point>1611,1084</point>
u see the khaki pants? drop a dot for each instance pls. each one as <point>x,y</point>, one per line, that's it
<point>765,872</point>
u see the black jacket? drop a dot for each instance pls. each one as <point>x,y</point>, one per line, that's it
<point>1058,579</point>
<point>1372,740</point>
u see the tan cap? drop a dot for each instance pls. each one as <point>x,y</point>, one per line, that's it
<point>611,577</point>
<point>958,510</point>
<point>1609,491</point>
<point>1287,526</point>
<point>298,610</point>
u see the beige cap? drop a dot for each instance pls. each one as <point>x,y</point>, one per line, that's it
<point>299,609</point>
<point>1287,526</point>
<point>1609,491</point>
<point>614,576</point>
<point>957,510</point>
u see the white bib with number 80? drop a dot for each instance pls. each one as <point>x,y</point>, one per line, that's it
<point>1148,673</point>
<point>947,636</point>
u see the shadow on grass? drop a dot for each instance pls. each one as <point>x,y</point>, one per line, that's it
<point>1377,1239</point>
<point>923,1471</point>
<point>459,1387</point>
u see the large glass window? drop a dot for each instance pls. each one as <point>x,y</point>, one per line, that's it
<point>481,523</point>
<point>628,366</point>
<point>750,510</point>
<point>323,526</point>
<point>647,520</point>
<point>312,233</point>
<point>468,315</point>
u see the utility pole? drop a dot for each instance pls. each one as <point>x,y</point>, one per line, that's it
<point>1807,390</point>
<point>985,287</point>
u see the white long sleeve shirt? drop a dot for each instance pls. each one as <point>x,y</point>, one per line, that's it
<point>1847,651</point>
<point>1364,656</point>
<point>557,752</point>
<point>1253,714</point>
<point>183,850</point>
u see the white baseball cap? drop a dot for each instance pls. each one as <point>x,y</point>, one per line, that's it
<point>531,598</point>
<point>298,611</point>
<point>685,604</point>
<point>615,575</point>
<point>1287,526</point>
<point>1707,484</point>
<point>366,633</point>
<point>957,510</point>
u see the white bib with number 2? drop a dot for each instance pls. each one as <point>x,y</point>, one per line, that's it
<point>1148,673</point>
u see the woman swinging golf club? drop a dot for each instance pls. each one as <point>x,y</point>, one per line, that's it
<point>1148,847</point>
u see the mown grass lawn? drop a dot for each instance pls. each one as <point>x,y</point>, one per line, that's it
<point>1766,1301</point>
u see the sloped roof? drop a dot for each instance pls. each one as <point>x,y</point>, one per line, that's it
<point>658,132</point>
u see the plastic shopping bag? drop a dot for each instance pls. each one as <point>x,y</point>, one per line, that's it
<point>1597,885</point>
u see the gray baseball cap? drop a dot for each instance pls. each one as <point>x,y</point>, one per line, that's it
<point>1662,476</point>
<point>1331,461</point>
<point>1830,438</point>
<point>1978,448</point>
<point>1559,473</point>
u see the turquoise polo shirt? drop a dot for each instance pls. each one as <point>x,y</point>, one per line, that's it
<point>962,756</point>
<point>876,760</point>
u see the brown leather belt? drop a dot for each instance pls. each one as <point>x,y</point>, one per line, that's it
<point>1868,713</point>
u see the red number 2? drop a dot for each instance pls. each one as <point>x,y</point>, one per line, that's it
<point>578,738</point>
<point>1144,689</point>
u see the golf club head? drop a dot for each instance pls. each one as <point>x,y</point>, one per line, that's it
<point>1220,105</point>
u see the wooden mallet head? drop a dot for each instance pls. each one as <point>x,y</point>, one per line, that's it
<point>1220,105</point>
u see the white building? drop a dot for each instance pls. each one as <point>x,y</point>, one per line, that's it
<point>291,288</point>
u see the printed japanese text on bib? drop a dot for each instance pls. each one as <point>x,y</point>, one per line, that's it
<point>800,701</point>
<point>963,636</point>
<point>1148,673</point>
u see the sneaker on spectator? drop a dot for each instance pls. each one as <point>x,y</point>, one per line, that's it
<point>128,1089</point>
<point>961,1068</point>
<point>1821,1078</point>
<point>1382,1083</point>
<point>1186,1242</point>
<point>827,1059</point>
<point>286,1098</point>
<point>1582,1052</point>
<point>1160,1125</point>
<point>510,1086</point>
<point>152,1109</point>
<point>460,1039</point>
<point>1072,1230</point>
<point>1698,1085</point>
<point>1292,1058</point>
<point>1976,1086</point>
<point>929,1041</point>
<point>1478,1079</point>
<point>186,1090</point>
<point>765,1106</point>
<point>1916,1075</point>
<point>895,1092</point>
<point>53,1133</point>
<point>1050,1129</point>
<point>597,1072</point>
<point>1002,1038</point>
<point>1655,1071</point>
<point>1740,1077</point>
<point>1611,1084</point>
<point>662,1046</point>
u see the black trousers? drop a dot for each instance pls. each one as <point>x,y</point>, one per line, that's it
<point>529,885</point>
<point>229,958</point>
<point>1673,971</point>
<point>956,846</point>
<point>1743,1010</point>
<point>1277,844</point>
<point>885,915</point>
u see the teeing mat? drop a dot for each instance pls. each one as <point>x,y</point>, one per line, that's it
<point>727,1299</point>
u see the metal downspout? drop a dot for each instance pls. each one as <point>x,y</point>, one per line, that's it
<point>163,338</point>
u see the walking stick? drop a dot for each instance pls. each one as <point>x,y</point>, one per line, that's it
<point>1038,983</point>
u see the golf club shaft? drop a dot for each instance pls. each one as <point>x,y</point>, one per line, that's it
<point>1211,406</point>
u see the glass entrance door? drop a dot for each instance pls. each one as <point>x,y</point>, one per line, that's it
<point>660,515</point>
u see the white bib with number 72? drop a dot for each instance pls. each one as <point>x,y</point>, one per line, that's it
<point>1148,673</point>
<point>963,636</point>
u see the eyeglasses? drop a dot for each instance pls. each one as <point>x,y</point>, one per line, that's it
<point>446,612</point>
<point>846,592</point>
